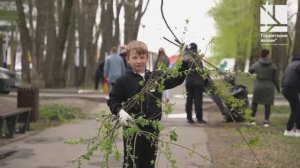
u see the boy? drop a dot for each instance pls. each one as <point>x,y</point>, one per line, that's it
<point>126,87</point>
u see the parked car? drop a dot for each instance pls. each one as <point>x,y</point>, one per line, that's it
<point>8,80</point>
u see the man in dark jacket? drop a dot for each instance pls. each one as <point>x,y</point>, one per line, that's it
<point>264,85</point>
<point>99,74</point>
<point>194,86</point>
<point>290,89</point>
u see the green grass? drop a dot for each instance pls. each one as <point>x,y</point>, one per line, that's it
<point>56,114</point>
<point>246,80</point>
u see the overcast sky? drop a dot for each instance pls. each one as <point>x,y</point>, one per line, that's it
<point>200,28</point>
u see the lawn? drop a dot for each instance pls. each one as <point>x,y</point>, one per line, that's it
<point>260,147</point>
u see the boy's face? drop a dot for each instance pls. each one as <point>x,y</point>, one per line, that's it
<point>137,61</point>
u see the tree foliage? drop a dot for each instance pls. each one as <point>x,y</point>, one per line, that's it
<point>234,23</point>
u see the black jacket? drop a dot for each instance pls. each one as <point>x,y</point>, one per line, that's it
<point>128,85</point>
<point>193,78</point>
<point>291,77</point>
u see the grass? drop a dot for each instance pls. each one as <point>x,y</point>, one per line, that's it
<point>56,114</point>
<point>270,147</point>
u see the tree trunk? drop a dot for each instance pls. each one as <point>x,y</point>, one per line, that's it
<point>1,51</point>
<point>279,52</point>
<point>40,35</point>
<point>133,14</point>
<point>25,41</point>
<point>50,45</point>
<point>13,45</point>
<point>92,5</point>
<point>296,49</point>
<point>107,17</point>
<point>32,35</point>
<point>256,47</point>
<point>80,7</point>
<point>58,73</point>
<point>69,65</point>
<point>116,37</point>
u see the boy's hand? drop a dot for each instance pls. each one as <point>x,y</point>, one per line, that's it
<point>124,117</point>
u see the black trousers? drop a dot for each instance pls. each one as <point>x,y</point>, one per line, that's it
<point>291,94</point>
<point>97,81</point>
<point>194,96</point>
<point>267,110</point>
<point>140,151</point>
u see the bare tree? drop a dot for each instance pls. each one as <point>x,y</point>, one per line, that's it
<point>133,11</point>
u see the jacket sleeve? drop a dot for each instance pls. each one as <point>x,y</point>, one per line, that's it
<point>116,97</point>
<point>252,68</point>
<point>173,82</point>
<point>276,79</point>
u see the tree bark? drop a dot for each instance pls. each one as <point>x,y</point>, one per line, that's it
<point>133,14</point>
<point>116,37</point>
<point>81,8</point>
<point>256,47</point>
<point>40,35</point>
<point>25,41</point>
<point>69,65</point>
<point>1,51</point>
<point>296,49</point>
<point>279,52</point>
<point>107,17</point>
<point>50,45</point>
<point>58,73</point>
<point>92,5</point>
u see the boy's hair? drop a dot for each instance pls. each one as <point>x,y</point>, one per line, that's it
<point>265,53</point>
<point>140,47</point>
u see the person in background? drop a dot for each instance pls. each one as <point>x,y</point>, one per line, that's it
<point>264,85</point>
<point>194,84</point>
<point>125,88</point>
<point>122,54</point>
<point>164,59</point>
<point>99,74</point>
<point>223,66</point>
<point>113,67</point>
<point>290,85</point>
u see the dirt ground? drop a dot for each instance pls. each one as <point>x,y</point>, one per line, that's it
<point>226,147</point>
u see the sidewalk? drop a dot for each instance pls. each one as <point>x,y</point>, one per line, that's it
<point>47,149</point>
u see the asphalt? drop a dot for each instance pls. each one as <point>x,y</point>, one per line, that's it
<point>46,149</point>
